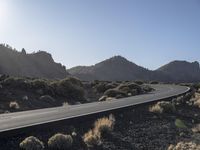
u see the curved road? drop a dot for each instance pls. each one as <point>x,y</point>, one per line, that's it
<point>23,119</point>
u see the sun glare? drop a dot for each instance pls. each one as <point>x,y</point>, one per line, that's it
<point>3,9</point>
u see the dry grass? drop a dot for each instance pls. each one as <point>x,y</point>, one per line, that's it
<point>14,105</point>
<point>65,104</point>
<point>156,109</point>
<point>163,107</point>
<point>197,100</point>
<point>184,146</point>
<point>31,143</point>
<point>102,128</point>
<point>196,129</point>
<point>60,142</point>
<point>91,139</point>
<point>104,125</point>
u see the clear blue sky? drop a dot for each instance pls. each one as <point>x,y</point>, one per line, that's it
<point>83,32</point>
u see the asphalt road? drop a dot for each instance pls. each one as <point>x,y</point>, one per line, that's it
<point>23,119</point>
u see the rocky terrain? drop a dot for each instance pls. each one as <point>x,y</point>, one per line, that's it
<point>165,125</point>
<point>119,68</point>
<point>39,64</point>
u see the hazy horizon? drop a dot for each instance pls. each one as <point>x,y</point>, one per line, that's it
<point>149,34</point>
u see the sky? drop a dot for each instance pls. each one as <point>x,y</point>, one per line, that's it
<point>149,33</point>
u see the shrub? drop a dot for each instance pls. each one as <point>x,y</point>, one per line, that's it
<point>103,86</point>
<point>196,129</point>
<point>39,84</point>
<point>154,82</point>
<point>114,93</point>
<point>31,143</point>
<point>184,146</point>
<point>139,82</point>
<point>60,142</point>
<point>14,105</point>
<point>91,139</point>
<point>104,126</point>
<point>147,88</point>
<point>156,109</point>
<point>16,82</point>
<point>197,100</point>
<point>180,124</point>
<point>70,88</point>
<point>163,107</point>
<point>65,104</point>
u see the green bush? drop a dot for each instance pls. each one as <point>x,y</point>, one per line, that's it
<point>180,124</point>
<point>60,142</point>
<point>39,84</point>
<point>139,82</point>
<point>70,88</point>
<point>16,82</point>
<point>154,82</point>
<point>31,143</point>
<point>114,93</point>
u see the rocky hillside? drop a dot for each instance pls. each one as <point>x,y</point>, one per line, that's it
<point>115,68</point>
<point>119,68</point>
<point>40,64</point>
<point>182,71</point>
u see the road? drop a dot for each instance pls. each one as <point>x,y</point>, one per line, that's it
<point>23,119</point>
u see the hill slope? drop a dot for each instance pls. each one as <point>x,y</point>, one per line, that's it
<point>119,68</point>
<point>39,64</point>
<point>182,71</point>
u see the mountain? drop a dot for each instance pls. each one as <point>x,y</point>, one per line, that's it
<point>182,71</point>
<point>115,68</point>
<point>119,68</point>
<point>40,64</point>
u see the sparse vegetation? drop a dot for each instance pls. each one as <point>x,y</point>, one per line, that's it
<point>184,146</point>
<point>180,124</point>
<point>154,82</point>
<point>114,93</point>
<point>102,127</point>
<point>91,139</point>
<point>32,143</point>
<point>14,105</point>
<point>163,107</point>
<point>60,142</point>
<point>69,88</point>
<point>196,128</point>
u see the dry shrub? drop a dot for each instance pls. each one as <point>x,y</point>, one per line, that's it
<point>197,100</point>
<point>184,146</point>
<point>102,128</point>
<point>91,139</point>
<point>163,107</point>
<point>31,143</point>
<point>60,142</point>
<point>156,109</point>
<point>14,105</point>
<point>65,104</point>
<point>196,129</point>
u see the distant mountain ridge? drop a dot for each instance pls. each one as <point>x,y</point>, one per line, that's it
<point>119,68</point>
<point>40,64</point>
